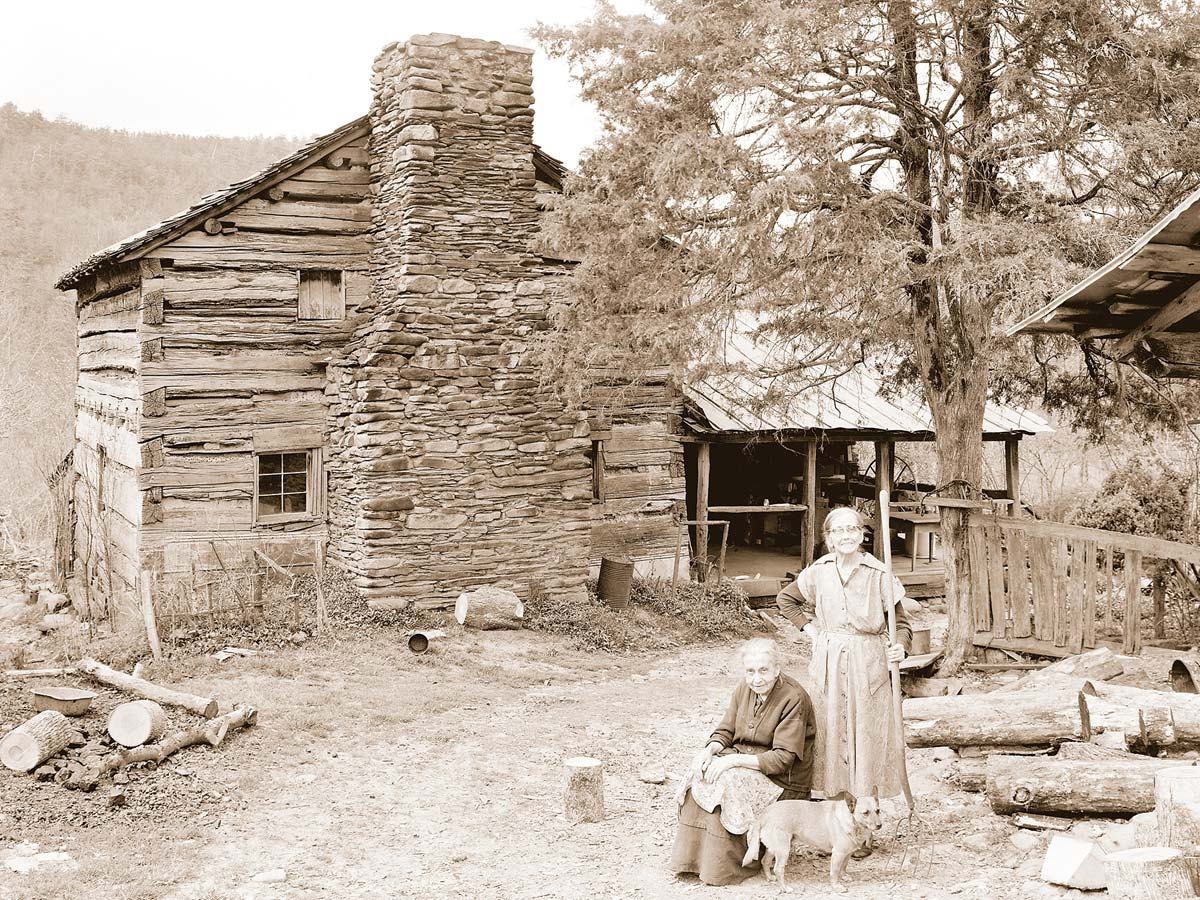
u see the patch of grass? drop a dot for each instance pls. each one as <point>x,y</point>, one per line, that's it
<point>658,616</point>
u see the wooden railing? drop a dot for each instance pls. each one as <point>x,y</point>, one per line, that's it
<point>1043,586</point>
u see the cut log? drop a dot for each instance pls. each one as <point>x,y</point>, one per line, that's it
<point>211,732</point>
<point>1042,823</point>
<point>201,706</point>
<point>1149,873</point>
<point>1145,730</point>
<point>1118,787</point>
<point>1100,664</point>
<point>1074,862</point>
<point>1145,829</point>
<point>1185,708</point>
<point>489,609</point>
<point>137,722</point>
<point>1028,718</point>
<point>1177,792</point>
<point>584,794</point>
<point>33,742</point>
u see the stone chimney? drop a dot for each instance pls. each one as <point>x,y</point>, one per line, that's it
<point>450,466</point>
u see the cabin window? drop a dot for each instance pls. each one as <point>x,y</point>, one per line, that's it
<point>284,485</point>
<point>322,294</point>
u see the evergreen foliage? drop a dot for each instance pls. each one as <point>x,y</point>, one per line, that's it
<point>861,182</point>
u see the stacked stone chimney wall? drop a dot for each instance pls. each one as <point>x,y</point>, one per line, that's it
<point>450,465</point>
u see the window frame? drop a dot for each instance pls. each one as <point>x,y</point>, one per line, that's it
<point>314,495</point>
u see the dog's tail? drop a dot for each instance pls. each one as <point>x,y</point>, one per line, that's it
<point>752,839</point>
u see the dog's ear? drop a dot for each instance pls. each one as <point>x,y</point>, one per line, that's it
<point>851,801</point>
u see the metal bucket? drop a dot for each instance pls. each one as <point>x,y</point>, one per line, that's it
<point>1185,676</point>
<point>418,641</point>
<point>616,582</point>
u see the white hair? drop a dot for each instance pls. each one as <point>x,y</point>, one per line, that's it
<point>761,645</point>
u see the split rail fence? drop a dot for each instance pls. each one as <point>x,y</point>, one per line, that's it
<point>1042,587</point>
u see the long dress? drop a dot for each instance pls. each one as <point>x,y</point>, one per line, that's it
<point>715,816</point>
<point>858,747</point>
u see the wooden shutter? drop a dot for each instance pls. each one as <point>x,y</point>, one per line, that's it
<point>321,295</point>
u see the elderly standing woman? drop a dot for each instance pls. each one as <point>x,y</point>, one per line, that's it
<point>761,751</point>
<point>840,602</point>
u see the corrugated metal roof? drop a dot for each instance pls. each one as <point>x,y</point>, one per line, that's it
<point>240,191</point>
<point>851,401</point>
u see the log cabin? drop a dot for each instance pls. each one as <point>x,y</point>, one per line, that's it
<point>334,356</point>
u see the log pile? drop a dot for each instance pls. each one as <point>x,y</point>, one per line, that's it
<point>79,753</point>
<point>1107,750</point>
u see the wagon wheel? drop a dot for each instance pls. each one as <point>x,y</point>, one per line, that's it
<point>903,472</point>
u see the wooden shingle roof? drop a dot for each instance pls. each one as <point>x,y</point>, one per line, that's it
<point>548,168</point>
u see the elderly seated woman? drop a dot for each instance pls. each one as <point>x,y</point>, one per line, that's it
<point>760,752</point>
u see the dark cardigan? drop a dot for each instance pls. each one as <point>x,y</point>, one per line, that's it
<point>781,735</point>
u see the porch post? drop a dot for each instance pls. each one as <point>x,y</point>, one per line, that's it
<point>885,452</point>
<point>1012,473</point>
<point>810,500</point>
<point>703,463</point>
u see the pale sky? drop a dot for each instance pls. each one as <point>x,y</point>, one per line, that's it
<point>256,66</point>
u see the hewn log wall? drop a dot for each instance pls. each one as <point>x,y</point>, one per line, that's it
<point>225,359</point>
<point>644,485</point>
<point>106,455</point>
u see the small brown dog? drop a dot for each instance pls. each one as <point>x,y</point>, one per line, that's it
<point>836,826</point>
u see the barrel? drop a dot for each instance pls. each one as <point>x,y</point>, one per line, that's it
<point>616,582</point>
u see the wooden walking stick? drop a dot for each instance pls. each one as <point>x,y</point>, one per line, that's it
<point>894,667</point>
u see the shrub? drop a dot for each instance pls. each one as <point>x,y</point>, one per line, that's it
<point>658,615</point>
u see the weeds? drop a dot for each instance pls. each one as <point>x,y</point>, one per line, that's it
<point>658,615</point>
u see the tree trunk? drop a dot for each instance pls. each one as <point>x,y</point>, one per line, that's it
<point>1145,829</point>
<point>201,706</point>
<point>1087,787</point>
<point>584,794</point>
<point>1149,873</point>
<point>1146,728</point>
<point>33,742</point>
<point>979,719</point>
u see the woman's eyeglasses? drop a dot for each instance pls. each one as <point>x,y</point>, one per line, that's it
<point>845,529</point>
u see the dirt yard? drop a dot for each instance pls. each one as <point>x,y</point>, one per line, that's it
<point>376,773</point>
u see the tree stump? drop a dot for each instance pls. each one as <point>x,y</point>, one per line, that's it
<point>1177,807</point>
<point>33,742</point>
<point>137,722</point>
<point>584,795</point>
<point>489,609</point>
<point>1148,873</point>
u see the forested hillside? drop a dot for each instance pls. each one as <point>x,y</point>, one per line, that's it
<point>66,191</point>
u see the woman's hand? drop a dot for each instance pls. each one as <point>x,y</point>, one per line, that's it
<point>810,631</point>
<point>701,761</point>
<point>895,653</point>
<point>719,766</point>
